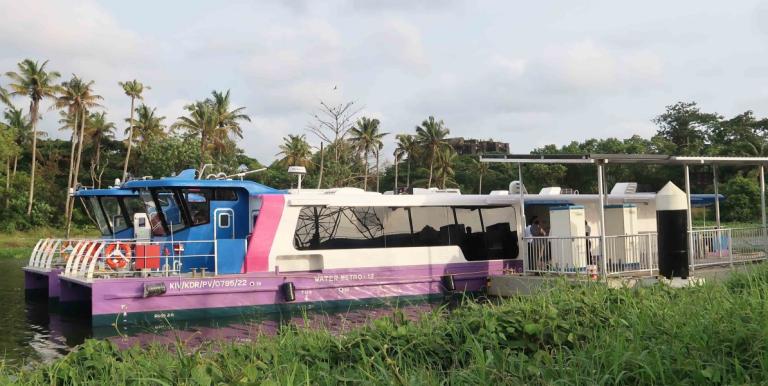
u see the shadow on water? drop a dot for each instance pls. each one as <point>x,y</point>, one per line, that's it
<point>33,329</point>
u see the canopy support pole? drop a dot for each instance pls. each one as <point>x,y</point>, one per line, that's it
<point>522,212</point>
<point>762,196</point>
<point>715,182</point>
<point>688,215</point>
<point>601,193</point>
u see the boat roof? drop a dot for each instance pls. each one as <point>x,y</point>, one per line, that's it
<point>186,179</point>
<point>111,192</point>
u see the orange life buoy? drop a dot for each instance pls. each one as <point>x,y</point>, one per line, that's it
<point>118,255</point>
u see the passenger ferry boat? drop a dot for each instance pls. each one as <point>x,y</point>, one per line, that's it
<point>222,247</point>
<point>186,248</point>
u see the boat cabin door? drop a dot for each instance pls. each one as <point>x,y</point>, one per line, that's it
<point>224,227</point>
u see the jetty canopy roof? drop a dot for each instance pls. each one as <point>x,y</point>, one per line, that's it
<point>104,192</point>
<point>657,159</point>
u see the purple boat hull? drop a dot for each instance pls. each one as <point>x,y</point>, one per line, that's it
<point>43,281</point>
<point>187,297</point>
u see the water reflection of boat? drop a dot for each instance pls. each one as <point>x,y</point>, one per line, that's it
<point>211,248</point>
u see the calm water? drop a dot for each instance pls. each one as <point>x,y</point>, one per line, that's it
<point>33,330</point>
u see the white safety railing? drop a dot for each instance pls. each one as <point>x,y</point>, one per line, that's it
<point>52,253</point>
<point>722,246</point>
<point>121,258</point>
<point>626,254</point>
<point>632,254</point>
<point>710,247</point>
<point>749,244</point>
<point>562,255</point>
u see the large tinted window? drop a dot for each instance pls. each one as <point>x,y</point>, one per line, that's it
<point>199,204</point>
<point>225,195</point>
<point>338,228</point>
<point>481,232</point>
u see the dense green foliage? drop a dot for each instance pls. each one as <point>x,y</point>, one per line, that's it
<point>575,334</point>
<point>350,155</point>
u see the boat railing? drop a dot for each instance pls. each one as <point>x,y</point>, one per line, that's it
<point>91,259</point>
<point>50,253</point>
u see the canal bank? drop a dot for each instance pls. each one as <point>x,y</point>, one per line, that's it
<point>712,333</point>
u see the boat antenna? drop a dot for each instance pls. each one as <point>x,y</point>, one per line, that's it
<point>245,173</point>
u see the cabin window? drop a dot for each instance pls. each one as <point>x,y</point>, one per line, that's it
<point>482,232</point>
<point>224,220</point>
<point>225,195</point>
<point>397,227</point>
<point>199,204</point>
<point>338,228</point>
<point>152,213</point>
<point>172,209</point>
<point>114,214</point>
<point>431,226</point>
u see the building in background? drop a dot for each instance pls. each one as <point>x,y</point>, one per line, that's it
<point>477,146</point>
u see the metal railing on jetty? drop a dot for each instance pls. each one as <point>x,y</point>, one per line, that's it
<point>638,254</point>
<point>712,247</point>
<point>582,254</point>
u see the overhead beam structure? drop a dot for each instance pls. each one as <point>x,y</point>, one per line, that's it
<point>601,160</point>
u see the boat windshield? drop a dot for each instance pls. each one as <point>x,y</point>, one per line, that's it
<point>114,214</point>
<point>94,208</point>
<point>133,205</point>
<point>152,213</point>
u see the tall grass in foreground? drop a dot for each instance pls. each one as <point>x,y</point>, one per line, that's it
<point>585,334</point>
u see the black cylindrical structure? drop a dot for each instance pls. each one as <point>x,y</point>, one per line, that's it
<point>672,226</point>
<point>673,243</point>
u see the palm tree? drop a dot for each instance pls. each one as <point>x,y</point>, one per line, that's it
<point>367,138</point>
<point>203,121</point>
<point>134,89</point>
<point>444,162</point>
<point>481,168</point>
<point>76,96</point>
<point>406,147</point>
<point>22,128</point>
<point>16,126</point>
<point>295,151</point>
<point>98,128</point>
<point>146,127</point>
<point>5,98</point>
<point>431,134</point>
<point>33,81</point>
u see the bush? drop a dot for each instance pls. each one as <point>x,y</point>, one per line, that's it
<point>742,200</point>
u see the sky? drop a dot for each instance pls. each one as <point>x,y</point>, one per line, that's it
<point>527,73</point>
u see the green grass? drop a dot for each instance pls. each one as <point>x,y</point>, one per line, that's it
<point>19,244</point>
<point>586,334</point>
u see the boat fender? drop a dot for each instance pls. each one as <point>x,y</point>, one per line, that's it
<point>154,289</point>
<point>448,284</point>
<point>289,291</point>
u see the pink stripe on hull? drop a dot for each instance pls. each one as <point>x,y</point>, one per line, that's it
<point>260,243</point>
